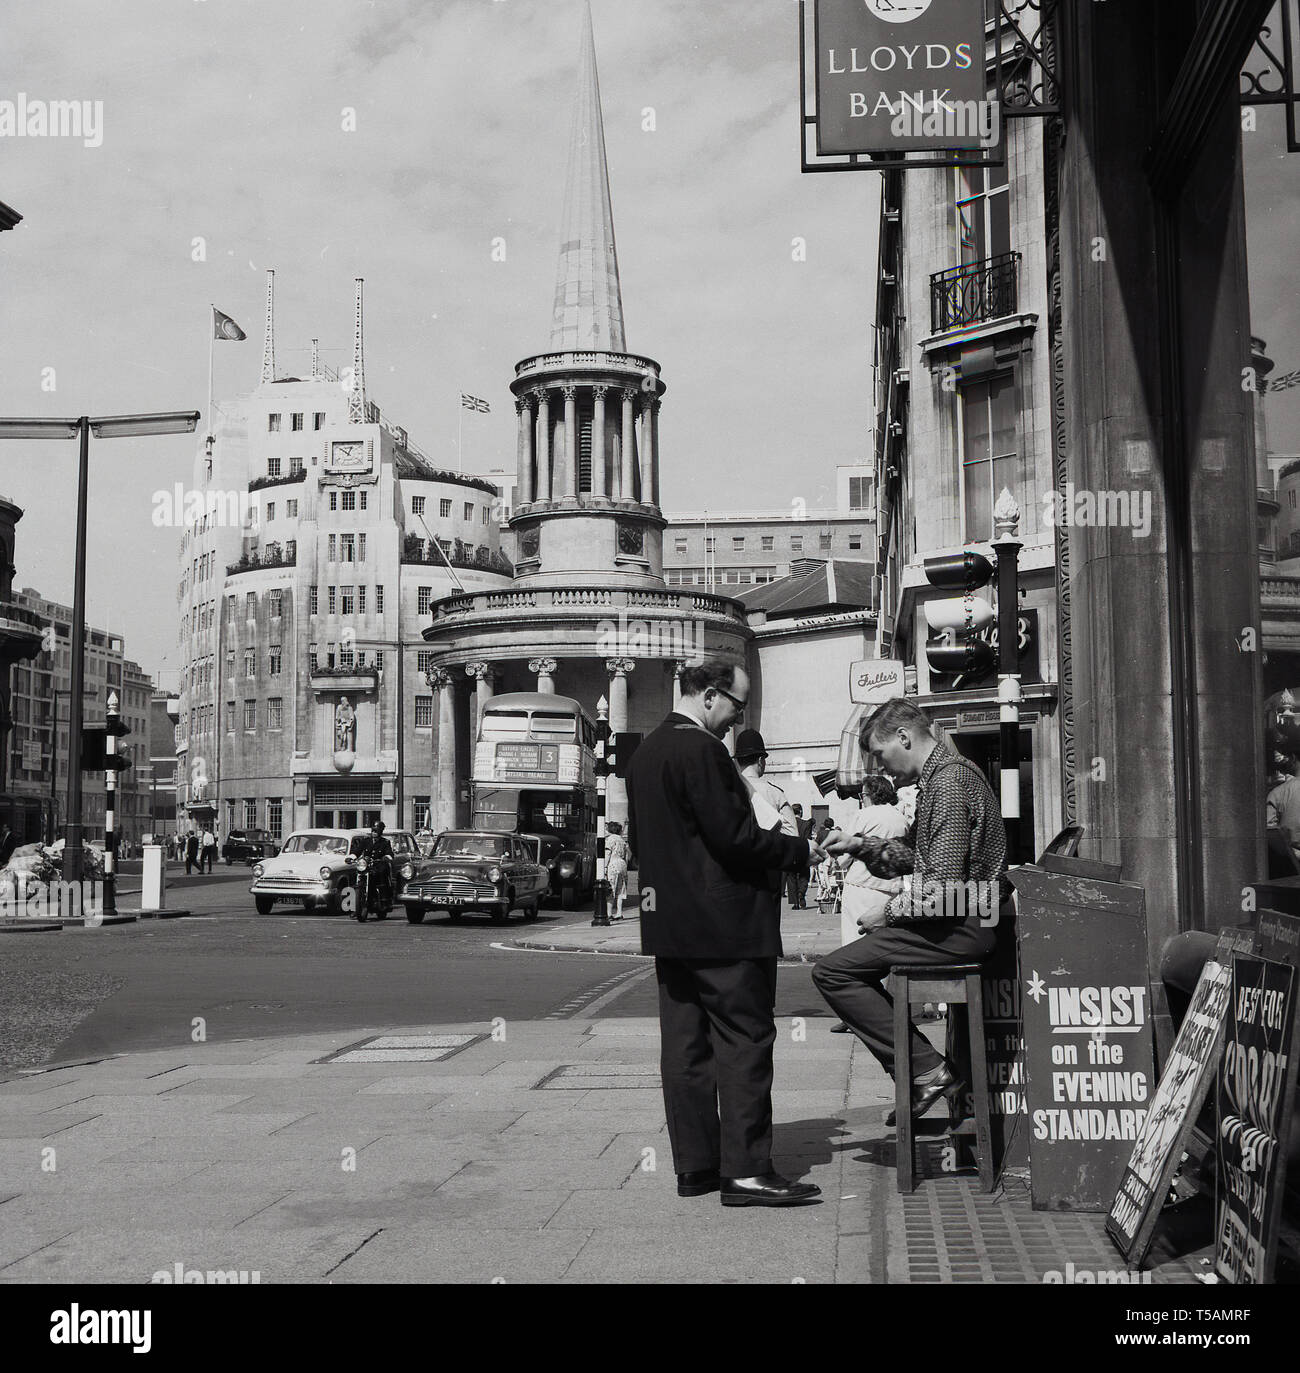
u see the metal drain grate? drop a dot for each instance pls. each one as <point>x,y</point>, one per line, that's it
<point>955,1233</point>
<point>403,1049</point>
<point>599,1077</point>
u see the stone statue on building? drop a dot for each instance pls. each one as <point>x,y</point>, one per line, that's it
<point>345,728</point>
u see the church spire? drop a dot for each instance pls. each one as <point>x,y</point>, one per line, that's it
<point>588,302</point>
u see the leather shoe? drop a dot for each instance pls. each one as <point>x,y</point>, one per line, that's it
<point>698,1184</point>
<point>769,1189</point>
<point>840,1029</point>
<point>924,1094</point>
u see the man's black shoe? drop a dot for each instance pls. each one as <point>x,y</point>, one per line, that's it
<point>698,1184</point>
<point>840,1029</point>
<point>924,1094</point>
<point>768,1190</point>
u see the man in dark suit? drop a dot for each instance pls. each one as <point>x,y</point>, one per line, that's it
<point>796,883</point>
<point>710,917</point>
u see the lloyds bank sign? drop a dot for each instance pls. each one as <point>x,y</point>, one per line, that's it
<point>900,75</point>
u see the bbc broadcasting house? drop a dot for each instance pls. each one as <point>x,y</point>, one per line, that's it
<point>303,587</point>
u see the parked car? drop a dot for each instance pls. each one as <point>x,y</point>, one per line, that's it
<point>318,868</point>
<point>473,870</point>
<point>562,867</point>
<point>247,846</point>
<point>406,854</point>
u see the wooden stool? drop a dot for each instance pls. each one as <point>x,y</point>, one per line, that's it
<point>959,985</point>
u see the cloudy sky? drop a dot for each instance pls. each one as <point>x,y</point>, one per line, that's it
<point>223,121</point>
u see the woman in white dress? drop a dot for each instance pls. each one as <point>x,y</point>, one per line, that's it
<point>617,854</point>
<point>866,896</point>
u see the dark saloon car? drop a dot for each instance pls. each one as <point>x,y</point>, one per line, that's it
<point>248,846</point>
<point>476,870</point>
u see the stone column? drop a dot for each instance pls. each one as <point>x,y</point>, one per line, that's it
<point>527,442</point>
<point>627,480</point>
<point>647,451</point>
<point>442,795</point>
<point>484,675</point>
<point>619,670</point>
<point>654,452</point>
<point>571,443</point>
<point>599,481</point>
<point>543,444</point>
<point>545,670</point>
<point>1166,663</point>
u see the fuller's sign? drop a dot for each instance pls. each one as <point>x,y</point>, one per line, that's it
<point>875,680</point>
<point>901,75</point>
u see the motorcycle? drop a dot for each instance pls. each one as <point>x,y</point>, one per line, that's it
<point>374,892</point>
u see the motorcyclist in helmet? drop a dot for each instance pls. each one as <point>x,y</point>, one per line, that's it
<point>379,852</point>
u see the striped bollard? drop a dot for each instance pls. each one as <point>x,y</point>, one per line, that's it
<point>600,916</point>
<point>113,723</point>
<point>1006,520</point>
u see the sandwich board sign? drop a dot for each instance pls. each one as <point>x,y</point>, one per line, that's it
<point>1256,1103</point>
<point>1172,1110</point>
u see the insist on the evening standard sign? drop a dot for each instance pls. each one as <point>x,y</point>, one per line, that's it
<point>878,60</point>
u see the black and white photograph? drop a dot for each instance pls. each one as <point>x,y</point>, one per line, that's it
<point>649,642</point>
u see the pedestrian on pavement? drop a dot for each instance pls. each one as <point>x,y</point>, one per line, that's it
<point>191,851</point>
<point>1282,808</point>
<point>865,896</point>
<point>770,806</point>
<point>959,849</point>
<point>712,921</point>
<point>208,850</point>
<point>617,855</point>
<point>796,883</point>
<point>8,843</point>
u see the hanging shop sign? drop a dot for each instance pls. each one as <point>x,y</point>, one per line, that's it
<point>872,681</point>
<point>900,75</point>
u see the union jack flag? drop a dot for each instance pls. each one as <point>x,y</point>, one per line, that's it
<point>474,403</point>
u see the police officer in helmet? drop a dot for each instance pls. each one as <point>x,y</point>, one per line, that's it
<point>380,853</point>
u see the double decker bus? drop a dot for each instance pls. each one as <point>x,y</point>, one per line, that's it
<point>534,775</point>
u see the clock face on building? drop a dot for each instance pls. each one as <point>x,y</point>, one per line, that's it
<point>348,455</point>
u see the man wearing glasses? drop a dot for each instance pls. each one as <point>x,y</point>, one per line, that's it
<point>711,920</point>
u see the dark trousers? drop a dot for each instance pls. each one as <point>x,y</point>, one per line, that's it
<point>796,887</point>
<point>851,979</point>
<point>717,1029</point>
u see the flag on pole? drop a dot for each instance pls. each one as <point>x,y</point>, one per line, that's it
<point>225,327</point>
<point>474,403</point>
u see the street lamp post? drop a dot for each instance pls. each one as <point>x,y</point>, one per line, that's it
<point>104,427</point>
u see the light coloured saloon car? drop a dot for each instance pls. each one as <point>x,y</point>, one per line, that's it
<point>317,868</point>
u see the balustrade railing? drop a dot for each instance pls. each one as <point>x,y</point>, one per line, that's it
<point>978,291</point>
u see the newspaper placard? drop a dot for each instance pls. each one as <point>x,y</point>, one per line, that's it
<point>1172,1110</point>
<point>1253,1115</point>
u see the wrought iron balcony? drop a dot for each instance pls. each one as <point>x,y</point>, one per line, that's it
<point>978,291</point>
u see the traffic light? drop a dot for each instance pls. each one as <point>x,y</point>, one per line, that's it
<point>959,619</point>
<point>94,754</point>
<point>604,748</point>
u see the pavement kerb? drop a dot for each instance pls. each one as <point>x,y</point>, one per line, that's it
<point>806,936</point>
